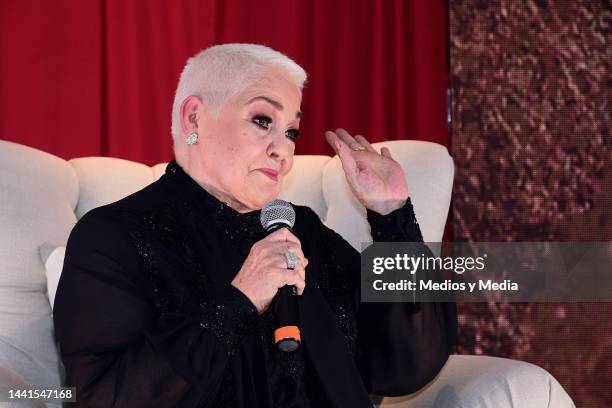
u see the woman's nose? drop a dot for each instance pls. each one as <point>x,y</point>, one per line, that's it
<point>280,147</point>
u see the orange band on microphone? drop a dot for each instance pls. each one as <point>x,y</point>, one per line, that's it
<point>287,332</point>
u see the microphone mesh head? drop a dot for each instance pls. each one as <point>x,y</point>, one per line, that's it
<point>275,212</point>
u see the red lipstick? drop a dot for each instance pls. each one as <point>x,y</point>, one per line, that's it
<point>273,174</point>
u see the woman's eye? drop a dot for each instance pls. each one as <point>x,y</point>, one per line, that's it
<point>262,121</point>
<point>292,134</point>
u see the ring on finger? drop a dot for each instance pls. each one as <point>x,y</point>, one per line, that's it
<point>358,148</point>
<point>292,259</point>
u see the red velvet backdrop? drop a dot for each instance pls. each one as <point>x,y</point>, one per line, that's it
<point>97,77</point>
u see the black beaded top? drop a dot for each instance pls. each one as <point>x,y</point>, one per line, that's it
<point>288,370</point>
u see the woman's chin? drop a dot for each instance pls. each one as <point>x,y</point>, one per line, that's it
<point>265,199</point>
<point>258,199</point>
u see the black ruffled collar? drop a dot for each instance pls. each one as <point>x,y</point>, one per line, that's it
<point>235,225</point>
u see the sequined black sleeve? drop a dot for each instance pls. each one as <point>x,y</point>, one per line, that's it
<point>116,349</point>
<point>398,226</point>
<point>400,347</point>
<point>229,319</point>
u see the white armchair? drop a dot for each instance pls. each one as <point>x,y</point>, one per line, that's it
<point>42,196</point>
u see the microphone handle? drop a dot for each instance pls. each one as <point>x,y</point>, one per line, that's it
<point>285,307</point>
<point>285,311</point>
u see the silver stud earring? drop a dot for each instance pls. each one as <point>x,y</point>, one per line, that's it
<point>192,138</point>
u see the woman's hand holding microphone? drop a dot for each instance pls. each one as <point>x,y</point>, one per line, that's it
<point>265,269</point>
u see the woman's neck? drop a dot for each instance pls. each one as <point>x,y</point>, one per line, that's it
<point>198,176</point>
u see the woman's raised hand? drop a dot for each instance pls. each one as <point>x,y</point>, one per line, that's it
<point>375,178</point>
<point>265,271</point>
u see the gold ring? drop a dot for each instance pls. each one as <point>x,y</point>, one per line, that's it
<point>359,148</point>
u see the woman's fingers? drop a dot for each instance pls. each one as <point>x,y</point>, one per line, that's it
<point>342,150</point>
<point>297,278</point>
<point>348,139</point>
<point>342,143</point>
<point>291,246</point>
<point>301,264</point>
<point>354,143</point>
<point>282,234</point>
<point>341,136</point>
<point>348,162</point>
<point>291,277</point>
<point>278,258</point>
<point>363,142</point>
<point>287,276</point>
<point>386,153</point>
<point>332,140</point>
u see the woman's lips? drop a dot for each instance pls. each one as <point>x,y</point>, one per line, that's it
<point>273,174</point>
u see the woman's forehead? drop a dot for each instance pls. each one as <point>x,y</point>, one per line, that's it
<point>280,99</point>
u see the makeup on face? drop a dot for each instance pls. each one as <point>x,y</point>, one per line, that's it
<point>265,115</point>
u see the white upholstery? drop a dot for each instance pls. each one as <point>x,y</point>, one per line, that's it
<point>484,382</point>
<point>54,263</point>
<point>11,380</point>
<point>103,180</point>
<point>38,194</point>
<point>42,196</point>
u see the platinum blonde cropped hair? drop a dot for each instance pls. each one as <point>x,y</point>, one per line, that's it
<point>220,72</point>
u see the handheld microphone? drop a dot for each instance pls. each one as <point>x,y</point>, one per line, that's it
<point>275,215</point>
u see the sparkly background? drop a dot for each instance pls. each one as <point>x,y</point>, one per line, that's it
<point>531,105</point>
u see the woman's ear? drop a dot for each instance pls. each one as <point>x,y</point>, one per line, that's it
<point>191,119</point>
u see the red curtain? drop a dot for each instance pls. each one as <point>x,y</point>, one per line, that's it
<point>97,77</point>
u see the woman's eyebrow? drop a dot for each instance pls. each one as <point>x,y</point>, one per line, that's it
<point>279,106</point>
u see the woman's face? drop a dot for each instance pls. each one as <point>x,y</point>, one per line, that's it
<point>248,149</point>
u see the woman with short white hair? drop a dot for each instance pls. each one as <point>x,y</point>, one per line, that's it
<point>166,297</point>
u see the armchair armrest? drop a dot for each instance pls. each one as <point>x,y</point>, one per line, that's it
<point>487,382</point>
<point>10,379</point>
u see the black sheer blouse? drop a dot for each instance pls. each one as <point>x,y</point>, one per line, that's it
<point>145,314</point>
